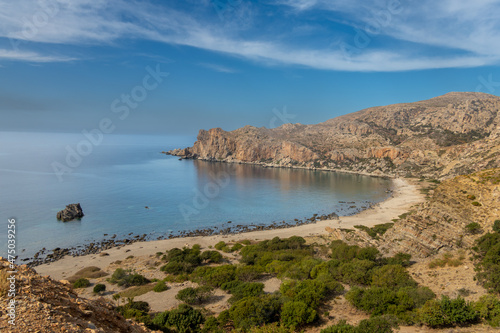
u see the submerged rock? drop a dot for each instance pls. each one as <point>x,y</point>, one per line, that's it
<point>71,212</point>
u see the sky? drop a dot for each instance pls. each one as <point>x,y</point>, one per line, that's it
<point>174,67</point>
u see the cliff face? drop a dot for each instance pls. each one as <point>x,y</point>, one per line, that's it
<point>456,133</point>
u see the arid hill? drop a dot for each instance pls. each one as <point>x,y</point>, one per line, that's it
<point>457,133</point>
<point>45,305</point>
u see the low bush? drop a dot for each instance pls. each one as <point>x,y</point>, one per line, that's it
<point>248,273</point>
<point>183,319</point>
<point>194,295</point>
<point>99,288</point>
<point>255,311</point>
<point>211,257</point>
<point>91,272</point>
<point>160,286</point>
<point>488,266</point>
<point>138,310</point>
<point>393,277</point>
<point>125,278</point>
<point>220,245</point>
<point>245,289</point>
<point>447,312</point>
<point>372,325</point>
<point>488,307</point>
<point>214,276</point>
<point>81,283</point>
<point>296,314</point>
<point>496,226</point>
<point>473,228</point>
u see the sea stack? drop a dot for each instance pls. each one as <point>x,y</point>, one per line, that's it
<point>71,212</point>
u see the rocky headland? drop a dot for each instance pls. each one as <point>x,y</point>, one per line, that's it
<point>457,133</point>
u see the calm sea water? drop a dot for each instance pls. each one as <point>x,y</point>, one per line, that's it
<point>124,174</point>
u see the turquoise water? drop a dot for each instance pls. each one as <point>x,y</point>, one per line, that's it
<point>118,178</point>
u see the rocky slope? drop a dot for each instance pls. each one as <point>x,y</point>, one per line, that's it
<point>453,134</point>
<point>439,224</point>
<point>45,305</point>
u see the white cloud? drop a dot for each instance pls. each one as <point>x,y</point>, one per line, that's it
<point>13,55</point>
<point>218,68</point>
<point>425,34</point>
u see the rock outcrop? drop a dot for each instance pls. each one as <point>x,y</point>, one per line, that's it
<point>45,305</point>
<point>71,212</point>
<point>439,224</point>
<point>457,133</point>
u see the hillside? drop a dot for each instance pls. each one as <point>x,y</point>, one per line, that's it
<point>440,223</point>
<point>45,305</point>
<point>457,133</point>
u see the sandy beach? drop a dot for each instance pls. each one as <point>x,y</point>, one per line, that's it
<point>404,195</point>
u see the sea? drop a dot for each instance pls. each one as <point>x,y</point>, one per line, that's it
<point>126,185</point>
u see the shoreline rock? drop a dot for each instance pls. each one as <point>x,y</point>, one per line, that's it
<point>70,213</point>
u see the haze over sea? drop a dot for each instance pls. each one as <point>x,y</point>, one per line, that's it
<point>126,173</point>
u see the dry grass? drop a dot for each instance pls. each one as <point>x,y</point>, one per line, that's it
<point>90,272</point>
<point>137,291</point>
<point>448,259</point>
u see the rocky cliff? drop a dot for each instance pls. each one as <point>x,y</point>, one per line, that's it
<point>453,134</point>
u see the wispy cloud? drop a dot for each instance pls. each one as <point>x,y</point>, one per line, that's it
<point>218,68</point>
<point>423,35</point>
<point>13,55</point>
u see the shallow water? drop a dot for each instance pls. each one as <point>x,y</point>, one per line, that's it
<point>124,174</point>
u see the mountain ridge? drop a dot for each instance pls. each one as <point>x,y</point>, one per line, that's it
<point>440,137</point>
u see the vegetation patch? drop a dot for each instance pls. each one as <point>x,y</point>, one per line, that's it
<point>91,272</point>
<point>81,283</point>
<point>377,230</point>
<point>127,278</point>
<point>447,259</point>
<point>137,291</point>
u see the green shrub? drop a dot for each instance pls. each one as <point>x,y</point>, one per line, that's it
<point>248,273</point>
<point>214,276</point>
<point>211,256</point>
<point>236,247</point>
<point>81,283</point>
<point>194,295</point>
<point>160,286</point>
<point>475,203</point>
<point>488,266</point>
<point>255,311</point>
<point>374,300</point>
<point>184,319</point>
<point>496,226</point>
<point>127,278</point>
<point>133,309</point>
<point>473,228</point>
<point>99,287</point>
<point>392,276</point>
<point>356,271</point>
<point>342,251</point>
<point>402,259</point>
<point>296,314</point>
<point>245,289</point>
<point>220,245</point>
<point>375,325</point>
<point>212,325</point>
<point>488,307</point>
<point>447,312</point>
<point>341,327</point>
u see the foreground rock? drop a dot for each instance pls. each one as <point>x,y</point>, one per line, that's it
<point>45,305</point>
<point>71,212</point>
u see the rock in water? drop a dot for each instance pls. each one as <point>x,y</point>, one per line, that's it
<point>71,212</point>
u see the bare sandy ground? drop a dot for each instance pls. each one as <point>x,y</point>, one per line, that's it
<point>404,196</point>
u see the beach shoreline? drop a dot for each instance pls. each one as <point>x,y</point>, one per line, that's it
<point>405,194</point>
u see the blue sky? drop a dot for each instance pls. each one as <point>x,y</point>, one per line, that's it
<point>66,65</point>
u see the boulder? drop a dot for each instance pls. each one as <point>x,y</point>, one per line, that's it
<point>71,212</point>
